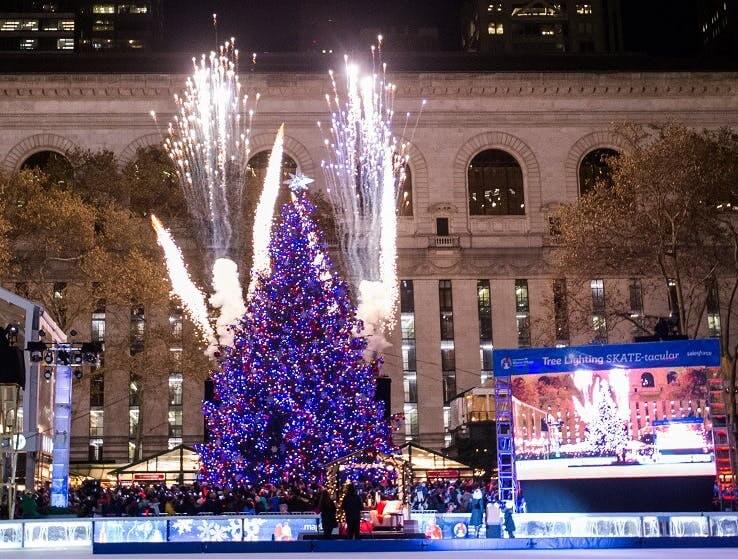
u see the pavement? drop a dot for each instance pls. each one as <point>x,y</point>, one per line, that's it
<point>712,553</point>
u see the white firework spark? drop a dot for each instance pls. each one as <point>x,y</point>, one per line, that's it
<point>265,210</point>
<point>183,287</point>
<point>209,144</point>
<point>364,172</point>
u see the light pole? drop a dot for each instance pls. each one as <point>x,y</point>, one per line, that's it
<point>67,359</point>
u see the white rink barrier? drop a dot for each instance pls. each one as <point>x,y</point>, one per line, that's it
<point>58,533</point>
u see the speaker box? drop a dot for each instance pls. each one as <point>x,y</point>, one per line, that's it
<point>12,366</point>
<point>384,394</point>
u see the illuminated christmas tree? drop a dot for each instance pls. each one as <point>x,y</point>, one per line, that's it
<point>294,393</point>
<point>607,430</point>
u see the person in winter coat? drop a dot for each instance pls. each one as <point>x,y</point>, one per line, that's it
<point>476,507</point>
<point>494,520</point>
<point>352,509</point>
<point>509,522</point>
<point>327,514</point>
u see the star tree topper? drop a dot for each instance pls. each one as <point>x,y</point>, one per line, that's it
<point>298,182</point>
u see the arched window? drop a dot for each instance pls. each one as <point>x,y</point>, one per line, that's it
<point>595,168</point>
<point>671,377</point>
<point>50,162</point>
<point>495,184</point>
<point>647,380</point>
<point>257,173</point>
<point>405,193</point>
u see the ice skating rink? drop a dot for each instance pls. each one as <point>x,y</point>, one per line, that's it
<point>705,553</point>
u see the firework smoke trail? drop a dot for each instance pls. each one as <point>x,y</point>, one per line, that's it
<point>364,170</point>
<point>182,286</point>
<point>209,144</point>
<point>226,297</point>
<point>265,210</point>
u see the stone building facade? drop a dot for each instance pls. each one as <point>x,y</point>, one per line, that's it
<point>460,267</point>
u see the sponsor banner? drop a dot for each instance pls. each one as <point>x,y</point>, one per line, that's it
<point>682,353</point>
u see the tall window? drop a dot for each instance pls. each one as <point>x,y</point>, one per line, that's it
<point>405,193</point>
<point>448,356</point>
<point>138,328</point>
<point>561,312</point>
<point>97,416</point>
<point>522,312</point>
<point>599,321</point>
<point>635,295</point>
<point>713,309</point>
<point>409,366</point>
<point>673,300</point>
<point>134,414</point>
<point>59,300</point>
<point>595,169</point>
<point>174,417</point>
<point>97,325</point>
<point>484,306</point>
<point>495,184</point>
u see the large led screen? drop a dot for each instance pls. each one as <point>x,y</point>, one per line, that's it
<point>610,414</point>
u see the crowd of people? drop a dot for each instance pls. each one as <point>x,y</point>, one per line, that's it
<point>95,499</point>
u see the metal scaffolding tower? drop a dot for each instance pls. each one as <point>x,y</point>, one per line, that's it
<point>507,482</point>
<point>724,445</point>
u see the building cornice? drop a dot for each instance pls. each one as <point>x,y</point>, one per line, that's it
<point>427,85</point>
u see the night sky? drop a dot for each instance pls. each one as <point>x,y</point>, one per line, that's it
<point>275,25</point>
<point>664,28</point>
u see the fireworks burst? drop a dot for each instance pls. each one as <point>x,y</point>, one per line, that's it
<point>364,171</point>
<point>209,144</point>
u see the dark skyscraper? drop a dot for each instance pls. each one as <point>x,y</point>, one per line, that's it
<point>44,26</point>
<point>524,27</point>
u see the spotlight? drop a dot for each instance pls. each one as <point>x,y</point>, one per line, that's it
<point>77,357</point>
<point>91,351</point>
<point>78,374</point>
<point>49,357</point>
<point>47,374</point>
<point>63,357</point>
<point>73,333</point>
<point>36,351</point>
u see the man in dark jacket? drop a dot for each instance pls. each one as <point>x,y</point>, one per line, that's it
<point>352,509</point>
<point>327,514</point>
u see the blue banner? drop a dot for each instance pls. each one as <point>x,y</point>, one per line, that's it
<point>683,353</point>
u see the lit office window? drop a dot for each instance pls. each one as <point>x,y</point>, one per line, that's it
<point>584,9</point>
<point>29,44</point>
<point>133,9</point>
<point>522,312</point>
<point>175,389</point>
<point>67,25</point>
<point>97,323</point>
<point>448,355</point>
<point>713,310</point>
<point>103,8</point>
<point>484,307</point>
<point>599,321</point>
<point>10,25</point>
<point>65,44</point>
<point>495,28</point>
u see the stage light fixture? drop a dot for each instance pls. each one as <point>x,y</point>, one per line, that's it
<point>76,357</point>
<point>48,374</point>
<point>78,374</point>
<point>41,334</point>
<point>73,333</point>
<point>63,357</point>
<point>91,351</point>
<point>49,357</point>
<point>36,351</point>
